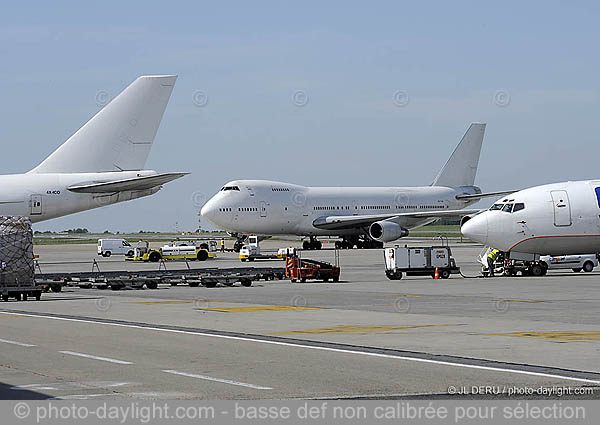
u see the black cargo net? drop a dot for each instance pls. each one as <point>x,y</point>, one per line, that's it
<point>16,251</point>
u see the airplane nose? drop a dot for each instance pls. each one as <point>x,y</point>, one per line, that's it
<point>476,228</point>
<point>209,211</point>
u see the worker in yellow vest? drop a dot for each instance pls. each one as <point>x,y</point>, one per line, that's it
<point>222,245</point>
<point>491,259</point>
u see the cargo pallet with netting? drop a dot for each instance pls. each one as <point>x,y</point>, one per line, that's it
<point>17,277</point>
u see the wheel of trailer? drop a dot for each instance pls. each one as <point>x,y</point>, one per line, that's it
<point>577,269</point>
<point>152,285</point>
<point>154,257</point>
<point>37,295</point>
<point>172,284</point>
<point>444,274</point>
<point>55,287</point>
<point>202,255</point>
<point>588,266</point>
<point>18,296</point>
<point>210,284</point>
<point>336,279</point>
<point>115,286</point>
<point>305,245</point>
<point>4,297</point>
<point>193,284</point>
<point>537,270</point>
<point>246,282</point>
<point>24,296</point>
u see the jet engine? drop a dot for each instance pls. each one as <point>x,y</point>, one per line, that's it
<point>386,231</point>
<point>464,219</point>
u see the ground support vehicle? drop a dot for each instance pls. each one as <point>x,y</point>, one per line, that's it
<point>513,263</point>
<point>577,263</point>
<point>419,261</point>
<point>108,247</point>
<point>251,251</point>
<point>174,251</point>
<point>300,269</point>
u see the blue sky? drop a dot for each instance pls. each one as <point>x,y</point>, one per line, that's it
<point>528,69</point>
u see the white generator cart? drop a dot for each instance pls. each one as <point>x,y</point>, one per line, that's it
<point>419,261</point>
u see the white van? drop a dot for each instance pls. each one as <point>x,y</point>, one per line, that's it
<point>585,262</point>
<point>108,247</point>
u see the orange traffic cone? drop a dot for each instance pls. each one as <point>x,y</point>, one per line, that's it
<point>437,274</point>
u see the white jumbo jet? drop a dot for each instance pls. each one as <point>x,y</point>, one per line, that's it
<point>364,217</point>
<point>554,219</point>
<point>101,164</point>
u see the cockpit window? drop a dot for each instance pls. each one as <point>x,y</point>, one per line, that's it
<point>496,207</point>
<point>507,208</point>
<point>518,207</point>
<point>226,188</point>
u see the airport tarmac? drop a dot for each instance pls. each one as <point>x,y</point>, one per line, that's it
<point>363,337</point>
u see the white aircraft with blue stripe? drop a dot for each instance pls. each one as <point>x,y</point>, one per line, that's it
<point>553,219</point>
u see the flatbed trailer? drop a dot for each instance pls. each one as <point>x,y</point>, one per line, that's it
<point>152,278</point>
<point>21,292</point>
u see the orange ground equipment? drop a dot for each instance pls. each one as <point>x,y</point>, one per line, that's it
<point>299,269</point>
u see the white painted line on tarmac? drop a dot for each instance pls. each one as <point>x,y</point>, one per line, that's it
<point>314,347</point>
<point>89,356</point>
<point>21,344</point>
<point>223,381</point>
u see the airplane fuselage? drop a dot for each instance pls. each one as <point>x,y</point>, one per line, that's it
<point>265,207</point>
<point>46,196</point>
<point>554,219</point>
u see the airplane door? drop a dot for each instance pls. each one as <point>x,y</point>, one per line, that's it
<point>263,209</point>
<point>35,203</point>
<point>562,208</point>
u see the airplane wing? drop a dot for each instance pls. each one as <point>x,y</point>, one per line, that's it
<point>136,183</point>
<point>484,195</point>
<point>339,222</point>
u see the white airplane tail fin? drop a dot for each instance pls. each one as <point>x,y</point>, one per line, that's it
<point>120,136</point>
<point>461,167</point>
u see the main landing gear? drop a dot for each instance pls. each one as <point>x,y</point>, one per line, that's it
<point>312,243</point>
<point>360,243</point>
